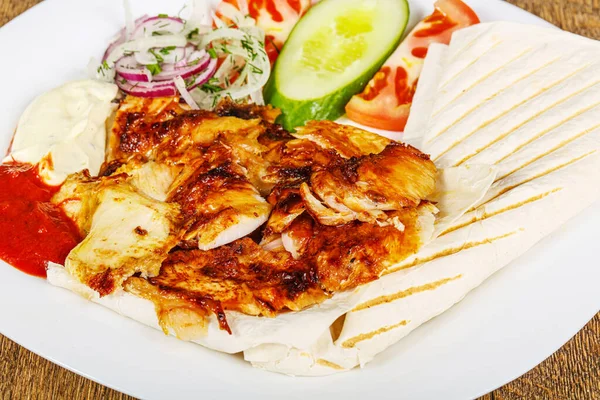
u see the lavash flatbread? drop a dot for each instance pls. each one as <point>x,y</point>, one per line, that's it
<point>516,101</point>
<point>522,98</point>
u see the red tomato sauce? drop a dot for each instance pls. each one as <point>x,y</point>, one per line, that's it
<point>33,230</point>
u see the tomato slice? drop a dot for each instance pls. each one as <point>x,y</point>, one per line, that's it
<point>385,101</point>
<point>276,17</point>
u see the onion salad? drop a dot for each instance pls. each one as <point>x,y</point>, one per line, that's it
<point>216,52</point>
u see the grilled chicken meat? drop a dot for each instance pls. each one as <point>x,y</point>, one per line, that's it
<point>177,136</point>
<point>241,276</point>
<point>363,188</point>
<point>331,205</point>
<point>210,166</point>
<point>217,200</point>
<point>130,133</point>
<point>126,232</point>
<point>340,174</point>
<point>345,140</point>
<point>244,277</point>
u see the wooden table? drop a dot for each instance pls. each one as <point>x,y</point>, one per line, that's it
<point>573,372</point>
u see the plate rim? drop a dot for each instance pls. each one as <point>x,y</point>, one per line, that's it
<point>42,6</point>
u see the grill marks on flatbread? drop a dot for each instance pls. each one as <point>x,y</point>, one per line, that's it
<point>352,342</point>
<point>539,81</point>
<point>472,216</point>
<point>339,205</point>
<point>404,293</point>
<point>535,141</point>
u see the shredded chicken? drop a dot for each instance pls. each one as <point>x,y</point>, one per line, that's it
<point>339,183</point>
<point>241,276</point>
<point>331,206</point>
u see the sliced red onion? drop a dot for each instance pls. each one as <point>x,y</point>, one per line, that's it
<point>128,68</point>
<point>197,63</point>
<point>132,57</point>
<point>173,56</point>
<point>183,62</point>
<point>147,58</point>
<point>204,76</point>
<point>121,36</point>
<point>147,89</point>
<point>174,25</point>
<point>150,25</point>
<point>164,88</point>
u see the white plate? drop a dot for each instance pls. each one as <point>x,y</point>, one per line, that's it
<point>504,328</point>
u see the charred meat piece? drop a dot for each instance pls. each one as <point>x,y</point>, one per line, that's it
<point>240,276</point>
<point>363,188</point>
<point>332,206</point>
<point>229,108</point>
<point>218,203</point>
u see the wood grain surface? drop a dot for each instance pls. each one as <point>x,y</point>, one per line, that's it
<point>573,372</point>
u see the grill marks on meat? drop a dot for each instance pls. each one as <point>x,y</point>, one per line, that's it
<point>136,121</point>
<point>175,138</point>
<point>214,164</point>
<point>296,159</point>
<point>349,255</point>
<point>243,277</point>
<point>344,174</point>
<point>228,108</point>
<point>347,141</point>
<point>217,200</point>
<point>287,206</point>
<point>337,205</point>
<point>399,176</point>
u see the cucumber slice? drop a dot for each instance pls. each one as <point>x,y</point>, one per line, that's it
<point>330,56</point>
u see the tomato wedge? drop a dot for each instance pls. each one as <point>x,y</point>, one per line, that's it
<point>385,101</point>
<point>276,17</point>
